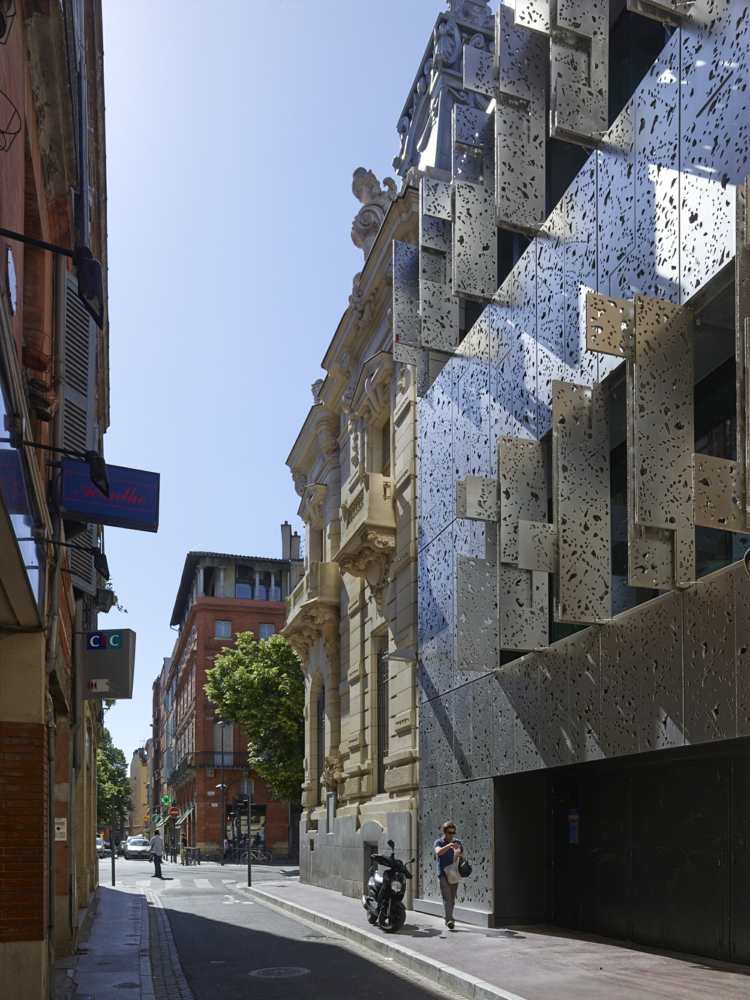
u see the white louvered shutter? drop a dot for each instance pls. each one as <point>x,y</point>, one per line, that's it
<point>79,412</point>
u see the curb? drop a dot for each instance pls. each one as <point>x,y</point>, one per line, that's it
<point>445,977</point>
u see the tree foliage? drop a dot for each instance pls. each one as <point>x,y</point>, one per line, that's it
<point>259,685</point>
<point>112,781</point>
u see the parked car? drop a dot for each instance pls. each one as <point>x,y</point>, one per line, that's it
<point>137,847</point>
<point>100,847</point>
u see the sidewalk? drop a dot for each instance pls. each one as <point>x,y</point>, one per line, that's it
<point>515,964</point>
<point>113,961</point>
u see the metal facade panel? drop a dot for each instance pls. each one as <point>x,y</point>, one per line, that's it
<point>476,614</point>
<point>435,199</point>
<point>580,449</point>
<point>476,498</point>
<point>610,325</point>
<point>710,679</point>
<point>406,324</point>
<point>742,339</point>
<point>537,546</point>
<point>439,314</point>
<point>523,490</point>
<point>532,14</point>
<point>473,147</point>
<point>661,408</point>
<point>524,608</point>
<point>479,71</point>
<point>474,242</point>
<point>520,123</point>
<point>566,269</point>
<point>714,139</point>
<point>719,501</point>
<point>579,71</point>
<point>473,453</point>
<point>641,663</point>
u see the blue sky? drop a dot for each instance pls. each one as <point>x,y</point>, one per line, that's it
<point>233,129</point>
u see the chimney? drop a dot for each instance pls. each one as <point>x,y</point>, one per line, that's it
<point>286,540</point>
<point>295,546</point>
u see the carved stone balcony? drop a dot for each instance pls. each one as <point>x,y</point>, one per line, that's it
<point>368,528</point>
<point>313,607</point>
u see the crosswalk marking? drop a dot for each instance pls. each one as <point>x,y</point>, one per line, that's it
<point>202,883</point>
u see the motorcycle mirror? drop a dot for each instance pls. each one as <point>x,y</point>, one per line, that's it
<point>391,844</point>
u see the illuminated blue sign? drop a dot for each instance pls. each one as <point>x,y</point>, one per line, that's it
<point>133,500</point>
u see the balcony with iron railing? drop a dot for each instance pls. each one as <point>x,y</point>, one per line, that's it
<point>190,763</point>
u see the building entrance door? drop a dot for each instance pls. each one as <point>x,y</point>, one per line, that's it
<point>653,848</point>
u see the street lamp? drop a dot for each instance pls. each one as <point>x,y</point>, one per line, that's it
<point>89,269</point>
<point>223,786</point>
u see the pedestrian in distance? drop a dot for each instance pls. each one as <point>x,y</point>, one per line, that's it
<point>448,851</point>
<point>157,849</point>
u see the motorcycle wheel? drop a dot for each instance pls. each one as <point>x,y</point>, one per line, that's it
<point>397,920</point>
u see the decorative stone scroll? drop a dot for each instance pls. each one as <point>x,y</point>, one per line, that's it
<point>579,70</point>
<point>656,338</point>
<point>576,547</point>
<point>517,597</point>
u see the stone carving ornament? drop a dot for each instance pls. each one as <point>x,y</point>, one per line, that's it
<point>376,201</point>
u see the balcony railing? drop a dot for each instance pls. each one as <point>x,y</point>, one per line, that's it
<point>320,585</point>
<point>191,762</point>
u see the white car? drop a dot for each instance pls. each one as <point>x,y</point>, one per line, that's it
<point>136,847</point>
<point>100,849</point>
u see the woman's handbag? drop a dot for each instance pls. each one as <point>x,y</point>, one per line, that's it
<point>464,868</point>
<point>451,873</point>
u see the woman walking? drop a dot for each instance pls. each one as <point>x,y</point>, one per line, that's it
<point>448,850</point>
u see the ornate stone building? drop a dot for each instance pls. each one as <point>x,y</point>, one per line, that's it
<point>576,309</point>
<point>352,618</point>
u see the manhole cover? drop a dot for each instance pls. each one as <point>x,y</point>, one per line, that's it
<point>280,972</point>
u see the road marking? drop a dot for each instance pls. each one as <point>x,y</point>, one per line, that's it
<point>202,883</point>
<point>229,881</point>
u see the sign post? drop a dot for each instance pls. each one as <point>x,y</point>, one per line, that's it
<point>112,844</point>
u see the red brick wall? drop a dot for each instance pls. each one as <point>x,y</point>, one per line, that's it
<point>23,824</point>
<point>245,616</point>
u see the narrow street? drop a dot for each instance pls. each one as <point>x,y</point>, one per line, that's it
<point>227,942</point>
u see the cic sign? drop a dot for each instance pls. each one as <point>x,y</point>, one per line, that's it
<point>108,662</point>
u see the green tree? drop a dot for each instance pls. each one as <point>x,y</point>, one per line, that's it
<point>259,685</point>
<point>112,781</point>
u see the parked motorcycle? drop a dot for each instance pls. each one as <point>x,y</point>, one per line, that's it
<point>383,901</point>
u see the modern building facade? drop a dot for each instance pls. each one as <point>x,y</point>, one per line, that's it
<point>139,813</point>
<point>219,595</point>
<point>352,618</point>
<point>54,380</point>
<point>583,490</point>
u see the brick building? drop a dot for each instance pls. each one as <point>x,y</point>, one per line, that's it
<point>54,380</point>
<point>219,595</point>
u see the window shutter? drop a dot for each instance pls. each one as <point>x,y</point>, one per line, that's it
<point>82,572</point>
<point>79,413</point>
<point>79,384</point>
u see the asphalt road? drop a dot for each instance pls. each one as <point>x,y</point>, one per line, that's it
<point>231,946</point>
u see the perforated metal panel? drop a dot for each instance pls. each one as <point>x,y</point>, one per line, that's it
<point>523,490</point>
<point>406,326</point>
<point>477,640</point>
<point>479,71</point>
<point>476,498</point>
<point>533,14</point>
<point>520,118</point>
<point>579,71</point>
<point>610,325</point>
<point>661,428</point>
<point>474,241</point>
<point>580,461</point>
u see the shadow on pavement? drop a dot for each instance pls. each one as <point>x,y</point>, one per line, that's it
<point>275,958</point>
